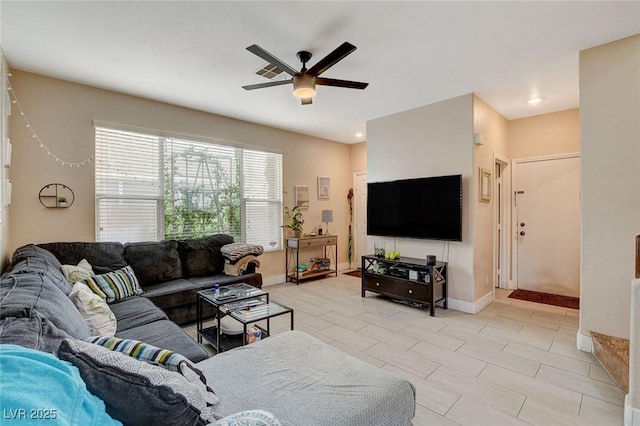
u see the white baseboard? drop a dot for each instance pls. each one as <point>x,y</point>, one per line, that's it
<point>455,304</point>
<point>345,266</point>
<point>472,307</point>
<point>584,343</point>
<point>273,279</point>
<point>631,414</point>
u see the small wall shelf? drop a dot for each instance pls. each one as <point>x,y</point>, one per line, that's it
<point>50,196</point>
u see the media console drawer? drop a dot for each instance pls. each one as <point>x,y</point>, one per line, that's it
<point>412,290</point>
<point>379,283</point>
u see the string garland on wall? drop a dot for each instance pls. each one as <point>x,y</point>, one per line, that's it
<point>34,135</point>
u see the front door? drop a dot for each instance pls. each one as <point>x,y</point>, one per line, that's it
<point>547,195</point>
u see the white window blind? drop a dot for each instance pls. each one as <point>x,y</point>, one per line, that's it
<point>262,174</point>
<point>151,187</point>
<point>128,186</point>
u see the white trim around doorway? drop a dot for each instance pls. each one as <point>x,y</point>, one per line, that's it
<point>506,281</point>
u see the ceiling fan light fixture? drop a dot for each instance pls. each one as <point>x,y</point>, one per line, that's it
<point>304,86</point>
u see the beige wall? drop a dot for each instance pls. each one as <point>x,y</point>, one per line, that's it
<point>545,134</point>
<point>358,155</point>
<point>62,112</point>
<point>408,144</point>
<point>492,128</point>
<point>437,140</point>
<point>432,140</point>
<point>610,151</point>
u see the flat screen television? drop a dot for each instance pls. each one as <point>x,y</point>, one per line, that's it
<point>426,208</point>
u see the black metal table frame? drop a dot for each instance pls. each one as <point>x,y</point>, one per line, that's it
<point>263,330</point>
<point>200,320</point>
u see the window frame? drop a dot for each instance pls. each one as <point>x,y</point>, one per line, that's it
<point>163,138</point>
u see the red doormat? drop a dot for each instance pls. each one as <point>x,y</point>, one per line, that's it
<point>355,273</point>
<point>546,298</point>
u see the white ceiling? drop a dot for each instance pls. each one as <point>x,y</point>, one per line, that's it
<point>412,53</point>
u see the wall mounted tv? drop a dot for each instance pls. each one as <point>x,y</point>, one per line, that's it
<point>427,208</point>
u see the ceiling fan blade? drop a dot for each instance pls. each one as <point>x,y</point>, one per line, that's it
<point>259,51</point>
<point>332,58</point>
<point>306,101</point>
<point>268,84</point>
<point>341,83</point>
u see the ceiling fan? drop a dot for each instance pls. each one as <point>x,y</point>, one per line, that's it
<point>305,80</point>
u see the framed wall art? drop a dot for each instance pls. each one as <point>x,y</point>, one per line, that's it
<point>324,188</point>
<point>638,256</point>
<point>484,184</point>
<point>302,196</point>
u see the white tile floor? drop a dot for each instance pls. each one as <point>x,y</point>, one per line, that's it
<point>515,362</point>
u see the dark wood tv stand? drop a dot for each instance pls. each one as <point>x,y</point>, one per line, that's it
<point>406,279</point>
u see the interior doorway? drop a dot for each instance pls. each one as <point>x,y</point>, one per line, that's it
<point>502,220</point>
<point>547,224</point>
<point>360,218</point>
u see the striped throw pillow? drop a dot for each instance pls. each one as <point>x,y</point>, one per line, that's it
<point>115,285</point>
<point>140,350</point>
<point>170,360</point>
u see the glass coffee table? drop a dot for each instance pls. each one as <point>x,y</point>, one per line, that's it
<point>242,302</point>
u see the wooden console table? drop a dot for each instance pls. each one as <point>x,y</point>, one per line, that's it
<point>293,256</point>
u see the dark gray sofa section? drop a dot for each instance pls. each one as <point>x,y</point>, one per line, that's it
<point>23,293</point>
<point>36,312</point>
<point>170,272</point>
<point>154,262</point>
<point>135,311</point>
<point>103,257</point>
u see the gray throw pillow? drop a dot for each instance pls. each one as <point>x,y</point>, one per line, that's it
<point>134,392</point>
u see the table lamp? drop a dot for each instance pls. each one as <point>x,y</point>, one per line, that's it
<point>327,216</point>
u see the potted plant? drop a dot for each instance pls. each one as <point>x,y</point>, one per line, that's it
<point>62,201</point>
<point>293,220</point>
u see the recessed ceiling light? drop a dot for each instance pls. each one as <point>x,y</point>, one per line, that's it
<point>535,100</point>
<point>359,135</point>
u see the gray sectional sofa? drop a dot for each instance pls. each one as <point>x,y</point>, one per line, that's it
<point>292,375</point>
<point>33,292</point>
<point>36,312</point>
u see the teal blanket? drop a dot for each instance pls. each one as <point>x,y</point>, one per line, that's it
<point>38,388</point>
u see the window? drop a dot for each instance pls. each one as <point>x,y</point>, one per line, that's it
<point>151,187</point>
